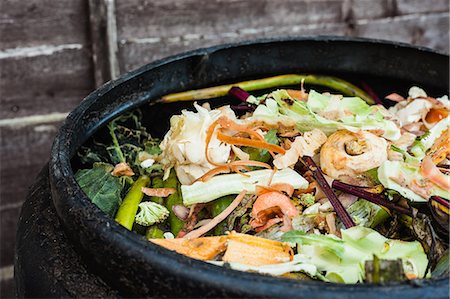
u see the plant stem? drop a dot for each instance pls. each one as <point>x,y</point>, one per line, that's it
<point>116,143</point>
<point>335,202</point>
<point>283,80</point>
<point>372,197</point>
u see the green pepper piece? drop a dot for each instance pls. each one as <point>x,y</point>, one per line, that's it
<point>157,182</point>
<point>129,207</point>
<point>174,199</point>
<point>217,207</point>
<point>153,232</point>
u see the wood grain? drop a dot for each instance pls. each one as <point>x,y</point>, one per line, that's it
<point>424,30</point>
<point>135,54</point>
<point>161,18</point>
<point>44,84</point>
<point>420,6</point>
<point>24,151</point>
<point>39,22</point>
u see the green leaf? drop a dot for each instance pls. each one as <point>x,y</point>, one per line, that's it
<point>102,188</point>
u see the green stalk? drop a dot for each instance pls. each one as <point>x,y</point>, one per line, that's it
<point>174,199</point>
<point>129,207</point>
<point>116,143</point>
<point>283,80</point>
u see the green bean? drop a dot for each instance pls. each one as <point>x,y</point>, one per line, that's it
<point>174,199</point>
<point>129,207</point>
<point>217,207</point>
<point>153,232</point>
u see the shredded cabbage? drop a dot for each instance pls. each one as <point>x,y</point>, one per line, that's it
<point>330,113</point>
<point>343,259</point>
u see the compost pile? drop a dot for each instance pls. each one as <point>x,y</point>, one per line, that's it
<point>331,186</point>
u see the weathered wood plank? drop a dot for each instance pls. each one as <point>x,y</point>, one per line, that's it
<point>368,9</point>
<point>24,151</point>
<point>37,22</point>
<point>44,84</point>
<point>421,6</point>
<point>426,30</point>
<point>162,18</point>
<point>140,52</point>
<point>104,40</point>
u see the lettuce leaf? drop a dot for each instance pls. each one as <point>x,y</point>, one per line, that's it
<point>409,174</point>
<point>343,259</point>
<point>354,114</point>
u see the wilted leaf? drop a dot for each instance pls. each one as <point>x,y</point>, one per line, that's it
<point>101,187</point>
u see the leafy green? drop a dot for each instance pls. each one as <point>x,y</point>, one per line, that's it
<point>102,188</point>
<point>128,142</point>
<point>425,142</point>
<point>343,259</point>
<point>356,114</point>
<point>391,172</point>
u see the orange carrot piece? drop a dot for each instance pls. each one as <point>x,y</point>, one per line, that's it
<point>235,166</point>
<point>230,125</point>
<point>205,248</point>
<point>218,170</point>
<point>250,142</point>
<point>279,187</point>
<point>159,192</point>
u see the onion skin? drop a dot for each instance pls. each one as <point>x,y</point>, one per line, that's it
<point>350,168</point>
